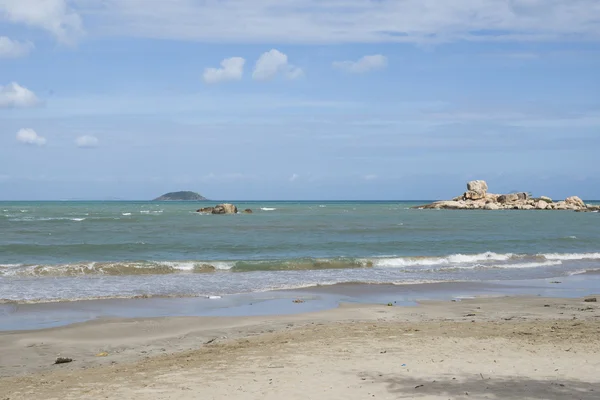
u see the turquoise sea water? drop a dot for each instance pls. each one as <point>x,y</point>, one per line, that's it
<point>75,250</point>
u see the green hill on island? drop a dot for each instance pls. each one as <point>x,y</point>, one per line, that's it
<point>181,196</point>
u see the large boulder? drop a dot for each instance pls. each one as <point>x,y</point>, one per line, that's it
<point>523,196</point>
<point>477,187</point>
<point>476,190</point>
<point>541,205</point>
<point>508,198</point>
<point>472,195</point>
<point>575,201</point>
<point>224,208</point>
<point>491,206</point>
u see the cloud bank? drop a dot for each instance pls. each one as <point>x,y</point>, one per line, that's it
<point>232,69</point>
<point>53,16</point>
<point>14,95</point>
<point>13,49</point>
<point>30,137</point>
<point>327,21</point>
<point>273,63</point>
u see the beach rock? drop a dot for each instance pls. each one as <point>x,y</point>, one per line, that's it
<point>490,197</point>
<point>63,360</point>
<point>247,211</point>
<point>575,201</point>
<point>507,198</point>
<point>541,205</point>
<point>527,207</point>
<point>479,187</point>
<point>491,206</point>
<point>591,300</point>
<point>471,195</point>
<point>561,205</point>
<point>205,210</point>
<point>546,199</point>
<point>224,208</point>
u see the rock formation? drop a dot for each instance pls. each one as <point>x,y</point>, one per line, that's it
<point>477,198</point>
<point>224,208</point>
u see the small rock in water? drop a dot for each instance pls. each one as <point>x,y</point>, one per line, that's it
<point>63,360</point>
<point>591,300</point>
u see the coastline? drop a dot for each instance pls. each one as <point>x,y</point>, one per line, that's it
<point>23,316</point>
<point>523,347</point>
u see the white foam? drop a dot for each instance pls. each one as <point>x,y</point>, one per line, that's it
<point>145,211</point>
<point>179,265</point>
<point>489,256</point>
<point>213,297</point>
<point>268,209</point>
<point>126,214</point>
<point>452,259</point>
<point>77,219</point>
<point>223,265</point>
<point>505,266</point>
<point>571,256</point>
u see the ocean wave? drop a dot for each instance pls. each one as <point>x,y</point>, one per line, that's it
<point>451,259</point>
<point>105,268</point>
<point>46,219</point>
<point>268,209</point>
<point>571,256</point>
<point>455,262</point>
<point>502,266</point>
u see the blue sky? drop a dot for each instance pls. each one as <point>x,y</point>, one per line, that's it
<point>298,99</point>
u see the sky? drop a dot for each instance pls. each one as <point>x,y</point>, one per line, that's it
<point>298,99</point>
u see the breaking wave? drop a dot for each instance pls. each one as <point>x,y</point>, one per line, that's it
<point>424,264</point>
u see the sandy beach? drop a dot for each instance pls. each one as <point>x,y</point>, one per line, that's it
<point>497,348</point>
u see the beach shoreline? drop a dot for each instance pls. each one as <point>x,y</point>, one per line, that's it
<point>528,337</point>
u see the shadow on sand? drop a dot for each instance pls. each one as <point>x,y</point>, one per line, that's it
<point>482,387</point>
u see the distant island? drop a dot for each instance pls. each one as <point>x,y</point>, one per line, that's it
<point>181,196</point>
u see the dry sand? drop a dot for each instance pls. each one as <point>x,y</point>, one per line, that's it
<point>506,348</point>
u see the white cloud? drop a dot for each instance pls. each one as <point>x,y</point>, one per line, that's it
<point>364,64</point>
<point>348,21</point>
<point>294,177</point>
<point>54,16</point>
<point>15,95</point>
<point>29,136</point>
<point>273,63</point>
<point>86,141</point>
<point>231,69</point>
<point>13,49</point>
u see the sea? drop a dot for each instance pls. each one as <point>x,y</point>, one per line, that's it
<point>65,251</point>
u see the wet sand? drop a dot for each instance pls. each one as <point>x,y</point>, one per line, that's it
<point>501,348</point>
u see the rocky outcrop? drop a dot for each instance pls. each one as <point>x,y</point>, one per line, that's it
<point>224,208</point>
<point>477,198</point>
<point>247,211</point>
